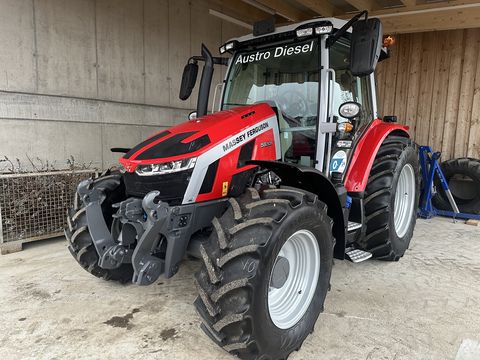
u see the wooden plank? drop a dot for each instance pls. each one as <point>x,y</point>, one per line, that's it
<point>422,125</point>
<point>324,7</point>
<point>460,18</point>
<point>414,70</point>
<point>401,91</point>
<point>363,4</point>
<point>238,10</point>
<point>285,9</point>
<point>470,56</point>
<point>439,95</point>
<point>474,138</point>
<point>380,72</point>
<point>390,83</point>
<point>455,44</point>
<point>410,6</point>
<point>409,3</point>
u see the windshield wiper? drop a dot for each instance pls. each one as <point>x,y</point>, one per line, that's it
<point>236,104</point>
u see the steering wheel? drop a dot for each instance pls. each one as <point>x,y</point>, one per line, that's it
<point>293,104</point>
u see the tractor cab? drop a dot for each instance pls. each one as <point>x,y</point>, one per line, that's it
<point>304,72</point>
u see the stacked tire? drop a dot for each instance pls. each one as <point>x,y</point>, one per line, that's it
<point>463,178</point>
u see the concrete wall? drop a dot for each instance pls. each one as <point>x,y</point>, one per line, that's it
<point>80,76</point>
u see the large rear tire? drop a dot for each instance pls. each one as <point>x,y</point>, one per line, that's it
<point>391,199</point>
<point>266,272</point>
<point>80,242</point>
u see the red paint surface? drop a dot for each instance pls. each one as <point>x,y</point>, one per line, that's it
<point>218,126</point>
<point>362,160</point>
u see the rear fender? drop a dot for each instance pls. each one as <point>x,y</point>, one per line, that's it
<point>312,180</point>
<point>365,151</point>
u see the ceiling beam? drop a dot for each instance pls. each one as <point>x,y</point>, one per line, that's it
<point>442,19</point>
<point>321,7</point>
<point>409,3</point>
<point>424,6</point>
<point>361,5</point>
<point>282,8</point>
<point>239,10</point>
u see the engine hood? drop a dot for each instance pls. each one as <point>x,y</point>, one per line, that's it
<point>195,137</point>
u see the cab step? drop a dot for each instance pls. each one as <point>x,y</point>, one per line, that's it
<point>357,255</point>
<point>352,226</point>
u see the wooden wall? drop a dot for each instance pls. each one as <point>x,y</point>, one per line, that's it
<point>432,83</point>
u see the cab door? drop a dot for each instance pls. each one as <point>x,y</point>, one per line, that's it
<point>344,87</point>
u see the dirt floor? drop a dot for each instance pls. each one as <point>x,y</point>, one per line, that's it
<point>427,306</point>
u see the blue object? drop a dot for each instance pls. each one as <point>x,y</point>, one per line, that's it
<point>348,202</point>
<point>430,167</point>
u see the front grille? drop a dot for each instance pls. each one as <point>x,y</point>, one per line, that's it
<point>172,187</point>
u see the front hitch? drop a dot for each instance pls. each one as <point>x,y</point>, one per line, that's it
<point>152,236</point>
<point>111,256</point>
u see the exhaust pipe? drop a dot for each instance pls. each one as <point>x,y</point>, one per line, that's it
<point>205,83</point>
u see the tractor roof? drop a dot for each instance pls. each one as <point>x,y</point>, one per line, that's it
<point>337,24</point>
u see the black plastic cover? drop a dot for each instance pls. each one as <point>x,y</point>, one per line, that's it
<point>366,45</point>
<point>189,78</point>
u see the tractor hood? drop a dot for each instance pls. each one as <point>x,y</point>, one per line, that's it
<point>193,138</point>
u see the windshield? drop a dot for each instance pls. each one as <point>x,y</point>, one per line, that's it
<point>289,76</point>
<point>286,74</point>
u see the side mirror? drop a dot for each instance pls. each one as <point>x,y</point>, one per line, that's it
<point>366,45</point>
<point>189,78</point>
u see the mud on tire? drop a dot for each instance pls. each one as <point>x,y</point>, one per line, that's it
<point>234,280</point>
<point>80,243</point>
<point>381,237</point>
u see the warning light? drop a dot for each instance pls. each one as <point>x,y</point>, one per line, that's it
<point>388,40</point>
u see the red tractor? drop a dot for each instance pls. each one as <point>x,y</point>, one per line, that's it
<point>295,170</point>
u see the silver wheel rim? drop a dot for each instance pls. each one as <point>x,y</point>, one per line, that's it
<point>404,200</point>
<point>288,303</point>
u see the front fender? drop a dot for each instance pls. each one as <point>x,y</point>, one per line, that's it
<point>312,180</point>
<point>365,151</point>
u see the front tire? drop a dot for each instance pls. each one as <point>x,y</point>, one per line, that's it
<point>80,242</point>
<point>242,268</point>
<point>391,199</point>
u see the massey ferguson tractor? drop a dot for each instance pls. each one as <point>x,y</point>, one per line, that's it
<point>296,169</point>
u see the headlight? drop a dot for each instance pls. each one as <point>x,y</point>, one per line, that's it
<point>304,32</point>
<point>349,109</point>
<point>166,168</point>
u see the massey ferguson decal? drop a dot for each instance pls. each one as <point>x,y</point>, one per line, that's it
<point>245,135</point>
<point>222,149</point>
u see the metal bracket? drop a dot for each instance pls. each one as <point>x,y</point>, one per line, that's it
<point>93,197</point>
<point>147,268</point>
<point>430,167</point>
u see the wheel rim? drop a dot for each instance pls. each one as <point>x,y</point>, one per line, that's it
<point>404,200</point>
<point>293,279</point>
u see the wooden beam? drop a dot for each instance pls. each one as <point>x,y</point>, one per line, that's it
<point>457,18</point>
<point>284,9</point>
<point>361,5</point>
<point>409,3</point>
<point>422,7</point>
<point>321,7</point>
<point>239,10</point>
